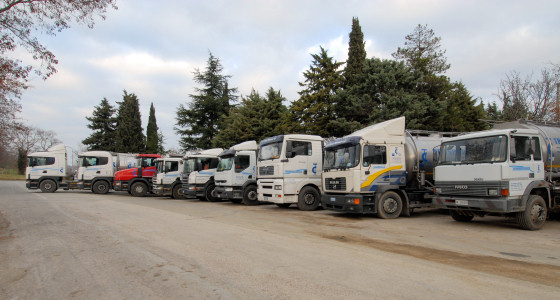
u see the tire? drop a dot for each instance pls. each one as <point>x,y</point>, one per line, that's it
<point>48,186</point>
<point>139,189</point>
<point>283,205</point>
<point>308,199</point>
<point>250,196</point>
<point>210,194</point>
<point>176,192</point>
<point>534,216</point>
<point>460,218</point>
<point>100,187</point>
<point>389,205</point>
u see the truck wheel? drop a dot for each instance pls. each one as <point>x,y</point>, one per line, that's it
<point>308,199</point>
<point>534,216</point>
<point>389,205</point>
<point>210,194</point>
<point>100,187</point>
<point>139,189</point>
<point>176,192</point>
<point>460,218</point>
<point>47,186</point>
<point>250,196</point>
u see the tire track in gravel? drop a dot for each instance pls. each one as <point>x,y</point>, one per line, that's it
<point>532,272</point>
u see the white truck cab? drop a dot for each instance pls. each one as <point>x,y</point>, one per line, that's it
<point>167,181</point>
<point>202,166</point>
<point>290,170</point>
<point>236,175</point>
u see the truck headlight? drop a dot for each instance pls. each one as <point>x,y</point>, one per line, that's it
<point>229,189</point>
<point>278,187</point>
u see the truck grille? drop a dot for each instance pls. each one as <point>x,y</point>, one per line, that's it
<point>268,170</point>
<point>335,184</point>
<point>470,188</point>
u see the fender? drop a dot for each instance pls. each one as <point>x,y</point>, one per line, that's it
<point>540,185</point>
<point>248,183</point>
<point>209,182</point>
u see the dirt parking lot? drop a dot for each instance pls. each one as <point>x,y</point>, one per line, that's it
<point>75,244</point>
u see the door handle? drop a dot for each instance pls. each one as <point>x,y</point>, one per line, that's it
<point>98,172</point>
<point>45,171</point>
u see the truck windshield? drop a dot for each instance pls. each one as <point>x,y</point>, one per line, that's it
<point>270,151</point>
<point>488,149</point>
<point>201,163</point>
<point>342,157</point>
<point>225,164</point>
<point>33,161</point>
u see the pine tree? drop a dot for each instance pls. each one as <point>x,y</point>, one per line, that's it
<point>152,136</point>
<point>255,118</point>
<point>129,135</point>
<point>312,112</point>
<point>202,120</point>
<point>103,123</point>
<point>493,113</point>
<point>461,112</point>
<point>356,54</point>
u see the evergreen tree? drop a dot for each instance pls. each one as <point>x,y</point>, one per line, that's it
<point>129,135</point>
<point>422,52</point>
<point>202,120</point>
<point>152,136</point>
<point>387,89</point>
<point>356,54</point>
<point>493,113</point>
<point>312,112</point>
<point>255,118</point>
<point>103,123</point>
<point>461,112</point>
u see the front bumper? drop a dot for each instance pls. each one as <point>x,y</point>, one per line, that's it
<point>484,204</point>
<point>228,192</point>
<point>351,203</point>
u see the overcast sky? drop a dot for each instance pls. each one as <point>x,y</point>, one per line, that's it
<point>151,48</point>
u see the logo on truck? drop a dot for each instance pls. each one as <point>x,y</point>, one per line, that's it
<point>461,187</point>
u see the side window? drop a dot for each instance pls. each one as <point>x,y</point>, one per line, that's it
<point>172,166</point>
<point>522,147</point>
<point>375,155</point>
<point>102,161</point>
<point>242,162</point>
<point>301,148</point>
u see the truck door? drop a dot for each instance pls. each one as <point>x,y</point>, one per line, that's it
<point>374,167</point>
<point>525,163</point>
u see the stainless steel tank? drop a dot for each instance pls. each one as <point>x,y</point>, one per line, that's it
<point>419,152</point>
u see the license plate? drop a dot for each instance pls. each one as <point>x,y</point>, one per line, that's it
<point>265,198</point>
<point>462,202</point>
<point>333,199</point>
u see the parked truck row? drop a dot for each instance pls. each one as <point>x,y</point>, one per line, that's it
<point>383,169</point>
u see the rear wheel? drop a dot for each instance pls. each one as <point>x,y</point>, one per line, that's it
<point>389,205</point>
<point>250,196</point>
<point>100,187</point>
<point>535,213</point>
<point>139,189</point>
<point>309,198</point>
<point>48,186</point>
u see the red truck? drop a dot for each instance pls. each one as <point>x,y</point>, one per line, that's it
<point>137,181</point>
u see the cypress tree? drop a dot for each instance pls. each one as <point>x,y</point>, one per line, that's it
<point>103,123</point>
<point>152,137</point>
<point>356,54</point>
<point>129,133</point>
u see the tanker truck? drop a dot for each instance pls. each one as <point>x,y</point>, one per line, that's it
<point>49,170</point>
<point>381,169</point>
<point>137,181</point>
<point>512,170</point>
<point>236,176</point>
<point>167,180</point>
<point>202,167</point>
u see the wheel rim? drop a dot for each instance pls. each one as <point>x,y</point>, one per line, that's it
<point>390,205</point>
<point>138,189</point>
<point>538,213</point>
<point>309,199</point>
<point>252,195</point>
<point>48,186</point>
<point>101,187</point>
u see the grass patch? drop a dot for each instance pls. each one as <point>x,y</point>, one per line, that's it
<point>10,174</point>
